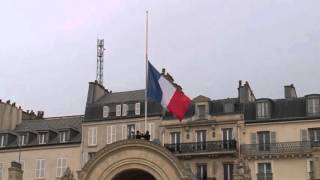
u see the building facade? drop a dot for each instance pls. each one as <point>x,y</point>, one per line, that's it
<point>240,138</point>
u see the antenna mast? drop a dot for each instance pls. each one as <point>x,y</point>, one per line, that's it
<point>100,55</point>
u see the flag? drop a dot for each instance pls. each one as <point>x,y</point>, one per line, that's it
<point>163,92</point>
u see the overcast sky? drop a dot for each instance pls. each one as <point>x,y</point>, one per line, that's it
<point>48,48</point>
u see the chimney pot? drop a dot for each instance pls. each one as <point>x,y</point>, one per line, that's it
<point>290,91</point>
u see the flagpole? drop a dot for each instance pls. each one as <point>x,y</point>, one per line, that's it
<point>146,93</point>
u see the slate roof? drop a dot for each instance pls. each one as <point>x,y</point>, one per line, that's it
<point>125,96</point>
<point>52,125</point>
<point>281,110</point>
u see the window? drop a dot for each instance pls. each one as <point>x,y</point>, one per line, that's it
<point>40,168</point>
<point>151,130</point>
<point>227,137</point>
<point>201,140</point>
<point>1,172</point>
<point>111,134</point>
<point>228,107</point>
<point>131,130</point>
<point>313,105</point>
<point>202,171</point>
<point>92,136</point>
<point>137,108</point>
<point>106,111</point>
<point>201,111</point>
<point>23,140</point>
<point>314,136</point>
<point>124,131</point>
<point>2,140</point>
<point>310,169</point>
<point>61,166</point>
<point>84,158</point>
<point>63,136</point>
<point>228,171</point>
<point>42,138</point>
<point>263,110</point>
<point>264,141</point>
<point>118,110</point>
<point>175,141</point>
<point>125,110</point>
<point>264,171</point>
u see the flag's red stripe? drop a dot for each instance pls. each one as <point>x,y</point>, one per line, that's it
<point>179,104</point>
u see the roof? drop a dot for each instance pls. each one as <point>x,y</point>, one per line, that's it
<point>125,96</point>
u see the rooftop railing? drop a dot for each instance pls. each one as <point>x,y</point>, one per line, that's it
<point>200,147</point>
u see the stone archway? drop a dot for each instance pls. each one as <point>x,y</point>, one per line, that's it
<point>135,157</point>
<point>134,174</point>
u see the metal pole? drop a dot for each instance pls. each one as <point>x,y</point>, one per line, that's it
<point>146,93</point>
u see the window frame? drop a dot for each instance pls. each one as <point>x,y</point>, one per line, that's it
<point>137,108</point>
<point>42,137</point>
<point>40,171</point>
<point>92,136</point>
<point>125,109</point>
<point>105,111</point>
<point>313,104</point>
<point>203,174</point>
<point>118,110</point>
<point>2,140</point>
<point>263,109</point>
<point>62,168</point>
<point>63,136</point>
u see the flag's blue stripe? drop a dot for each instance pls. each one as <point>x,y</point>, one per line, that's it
<point>154,90</point>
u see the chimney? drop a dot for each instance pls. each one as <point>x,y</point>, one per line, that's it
<point>290,91</point>
<point>245,93</point>
<point>95,92</point>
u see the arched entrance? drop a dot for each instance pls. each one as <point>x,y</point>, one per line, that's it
<point>134,174</point>
<point>138,158</point>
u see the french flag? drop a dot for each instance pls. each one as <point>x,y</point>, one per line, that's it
<point>163,91</point>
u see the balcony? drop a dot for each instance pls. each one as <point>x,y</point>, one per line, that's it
<point>198,148</point>
<point>277,149</point>
<point>264,176</point>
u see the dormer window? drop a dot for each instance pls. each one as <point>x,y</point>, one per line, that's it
<point>125,108</point>
<point>263,110</point>
<point>313,105</point>
<point>137,108</point>
<point>201,111</point>
<point>228,107</point>
<point>2,140</point>
<point>118,110</point>
<point>63,136</point>
<point>106,111</point>
<point>42,137</point>
<point>22,139</point>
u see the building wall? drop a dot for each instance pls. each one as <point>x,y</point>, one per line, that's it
<point>29,156</point>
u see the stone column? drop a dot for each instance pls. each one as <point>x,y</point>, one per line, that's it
<point>15,171</point>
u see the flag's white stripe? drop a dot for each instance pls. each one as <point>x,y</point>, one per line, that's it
<point>168,91</point>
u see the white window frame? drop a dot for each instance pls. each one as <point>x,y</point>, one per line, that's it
<point>22,139</point>
<point>106,111</point>
<point>92,136</point>
<point>137,108</point>
<point>118,110</point>
<point>40,171</point>
<point>125,109</point>
<point>111,134</point>
<point>61,166</point>
<point>263,110</point>
<point>264,162</point>
<point>63,136</point>
<point>42,138</point>
<point>313,104</point>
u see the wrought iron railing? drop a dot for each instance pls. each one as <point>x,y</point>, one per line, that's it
<point>264,176</point>
<point>276,148</point>
<point>196,147</point>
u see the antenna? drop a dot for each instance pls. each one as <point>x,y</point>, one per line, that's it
<point>100,55</point>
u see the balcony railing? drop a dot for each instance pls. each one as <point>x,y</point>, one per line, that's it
<point>198,147</point>
<point>264,176</point>
<point>276,148</point>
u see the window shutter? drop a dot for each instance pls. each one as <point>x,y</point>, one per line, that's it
<point>253,138</point>
<point>137,108</point>
<point>109,135</point>
<point>304,135</point>
<point>114,133</point>
<point>124,131</point>
<point>273,137</point>
<point>94,136</point>
<point>89,136</point>
<point>118,110</point>
<point>106,111</point>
